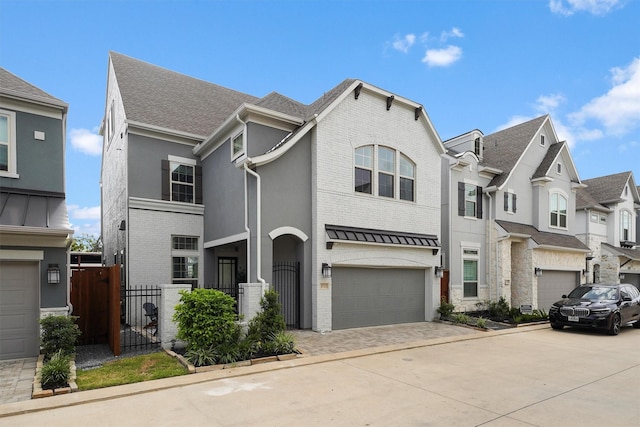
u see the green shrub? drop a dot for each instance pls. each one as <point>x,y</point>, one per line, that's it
<point>59,333</point>
<point>446,309</point>
<point>481,323</point>
<point>228,352</point>
<point>206,318</point>
<point>201,356</point>
<point>269,321</point>
<point>461,318</point>
<point>499,309</point>
<point>280,343</point>
<point>56,371</point>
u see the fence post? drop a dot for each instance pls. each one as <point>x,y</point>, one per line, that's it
<point>250,301</point>
<point>169,298</point>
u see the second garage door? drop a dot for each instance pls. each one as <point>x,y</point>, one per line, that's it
<point>553,284</point>
<point>371,297</point>
<point>19,310</point>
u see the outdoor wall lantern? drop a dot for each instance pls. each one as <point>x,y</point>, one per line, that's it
<point>435,251</point>
<point>53,274</point>
<point>438,271</point>
<point>537,271</point>
<point>326,270</point>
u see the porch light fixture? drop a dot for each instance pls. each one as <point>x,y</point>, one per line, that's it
<point>438,271</point>
<point>326,270</point>
<point>537,271</point>
<point>53,274</point>
<point>434,251</point>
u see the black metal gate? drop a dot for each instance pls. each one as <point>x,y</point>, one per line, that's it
<point>234,291</point>
<point>139,318</point>
<point>286,281</point>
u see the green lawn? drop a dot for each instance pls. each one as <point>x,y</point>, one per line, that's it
<point>130,370</point>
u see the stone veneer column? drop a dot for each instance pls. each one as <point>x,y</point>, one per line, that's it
<point>169,298</point>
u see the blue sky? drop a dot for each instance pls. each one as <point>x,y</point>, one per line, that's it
<point>471,63</point>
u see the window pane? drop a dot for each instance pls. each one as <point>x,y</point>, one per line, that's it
<point>182,193</point>
<point>554,203</point>
<point>364,157</point>
<point>181,173</point>
<point>406,167</point>
<point>563,221</point>
<point>406,189</point>
<point>385,185</point>
<point>4,129</point>
<point>386,160</point>
<point>554,219</point>
<point>4,157</point>
<point>185,267</point>
<point>237,145</point>
<point>470,270</point>
<point>185,243</point>
<point>470,208</point>
<point>363,181</point>
<point>470,289</point>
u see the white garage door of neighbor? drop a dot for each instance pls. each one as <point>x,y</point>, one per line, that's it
<point>371,297</point>
<point>19,310</point>
<point>553,284</point>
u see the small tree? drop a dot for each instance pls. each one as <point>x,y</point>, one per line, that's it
<point>86,243</point>
<point>207,319</point>
<point>270,321</point>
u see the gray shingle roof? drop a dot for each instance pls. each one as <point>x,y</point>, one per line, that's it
<point>543,237</point>
<point>11,84</point>
<point>607,189</point>
<point>282,104</point>
<point>156,96</point>
<point>633,254</point>
<point>503,149</point>
<point>549,160</point>
<point>584,200</point>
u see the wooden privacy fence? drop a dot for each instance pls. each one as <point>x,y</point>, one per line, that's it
<point>95,297</point>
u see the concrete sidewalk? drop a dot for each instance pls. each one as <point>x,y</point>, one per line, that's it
<point>448,334</point>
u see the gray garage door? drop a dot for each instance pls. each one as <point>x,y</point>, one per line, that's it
<point>553,284</point>
<point>370,297</point>
<point>631,278</point>
<point>19,310</point>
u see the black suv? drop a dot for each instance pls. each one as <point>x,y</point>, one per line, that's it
<point>600,306</point>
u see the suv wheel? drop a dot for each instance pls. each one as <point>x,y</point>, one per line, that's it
<point>615,325</point>
<point>556,326</point>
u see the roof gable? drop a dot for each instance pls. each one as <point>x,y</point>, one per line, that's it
<point>162,98</point>
<point>608,189</point>
<point>14,86</point>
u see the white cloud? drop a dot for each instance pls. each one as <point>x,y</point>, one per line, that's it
<point>623,148</point>
<point>594,7</point>
<point>86,141</point>
<point>619,109</point>
<point>549,103</point>
<point>78,212</point>
<point>442,57</point>
<point>513,121</point>
<point>403,44</point>
<point>455,32</point>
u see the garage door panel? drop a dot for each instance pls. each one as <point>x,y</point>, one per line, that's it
<point>19,310</point>
<point>370,297</point>
<point>553,284</point>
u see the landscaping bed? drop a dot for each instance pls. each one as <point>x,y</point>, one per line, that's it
<point>491,315</point>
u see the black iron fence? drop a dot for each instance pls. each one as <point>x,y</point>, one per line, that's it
<point>139,317</point>
<point>286,281</point>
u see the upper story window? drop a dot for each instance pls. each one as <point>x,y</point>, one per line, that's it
<point>386,171</point>
<point>469,200</point>
<point>558,210</point>
<point>237,146</point>
<point>470,260</point>
<point>510,202</point>
<point>625,226</point>
<point>542,140</point>
<point>390,168</point>
<point>181,180</point>
<point>364,167</point>
<point>407,178</point>
<point>8,164</point>
<point>476,146</point>
<point>559,168</point>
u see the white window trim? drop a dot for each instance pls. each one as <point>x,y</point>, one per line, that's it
<point>543,142</point>
<point>186,162</point>
<point>186,253</point>
<point>243,152</point>
<point>372,169</point>
<point>375,171</point>
<point>183,160</point>
<point>475,201</point>
<point>511,193</point>
<point>472,247</point>
<point>622,212</point>
<point>559,227</point>
<point>12,162</point>
<point>400,156</point>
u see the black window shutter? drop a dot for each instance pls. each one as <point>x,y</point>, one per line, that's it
<point>461,199</point>
<point>198,185</point>
<point>166,181</point>
<point>479,202</point>
<point>506,202</point>
<point>514,203</point>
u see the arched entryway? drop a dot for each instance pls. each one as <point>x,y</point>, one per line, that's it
<point>288,256</point>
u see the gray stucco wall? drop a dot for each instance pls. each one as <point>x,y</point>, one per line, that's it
<point>35,158</point>
<point>145,171</point>
<point>262,138</point>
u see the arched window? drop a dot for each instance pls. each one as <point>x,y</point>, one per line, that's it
<point>364,168</point>
<point>407,178</point>
<point>390,168</point>
<point>558,210</point>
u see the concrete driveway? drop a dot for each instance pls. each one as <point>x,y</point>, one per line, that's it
<point>524,377</point>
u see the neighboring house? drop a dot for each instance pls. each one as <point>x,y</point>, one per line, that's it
<point>336,204</point>
<point>35,234</point>
<point>607,218</point>
<point>509,217</point>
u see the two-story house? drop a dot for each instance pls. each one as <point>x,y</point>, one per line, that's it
<point>336,204</point>
<point>508,217</point>
<point>607,218</point>
<point>35,233</point>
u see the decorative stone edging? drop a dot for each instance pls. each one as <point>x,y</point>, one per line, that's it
<point>193,369</point>
<point>38,392</point>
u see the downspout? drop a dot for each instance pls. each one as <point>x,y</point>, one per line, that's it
<point>258,215</point>
<point>489,249</point>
